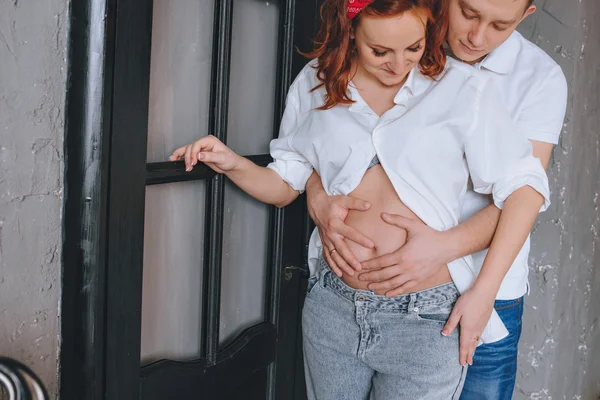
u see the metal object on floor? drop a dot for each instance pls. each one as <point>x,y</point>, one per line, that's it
<point>20,382</point>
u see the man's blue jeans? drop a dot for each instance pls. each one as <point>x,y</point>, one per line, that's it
<point>493,373</point>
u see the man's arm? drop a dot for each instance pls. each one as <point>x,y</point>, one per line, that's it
<point>329,213</point>
<point>428,250</point>
<point>476,233</point>
<point>474,307</point>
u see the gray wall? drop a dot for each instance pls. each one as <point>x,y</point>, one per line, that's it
<point>560,348</point>
<point>33,40</point>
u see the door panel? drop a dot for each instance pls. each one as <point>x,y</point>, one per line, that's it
<point>180,71</point>
<point>173,271</point>
<point>250,128</point>
<point>253,87</point>
<point>244,263</point>
<point>178,112</point>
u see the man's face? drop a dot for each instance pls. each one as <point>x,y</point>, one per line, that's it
<point>477,27</point>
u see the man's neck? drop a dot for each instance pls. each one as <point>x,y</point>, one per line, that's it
<point>451,53</point>
<point>475,61</point>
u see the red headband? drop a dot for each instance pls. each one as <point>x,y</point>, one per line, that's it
<point>355,6</point>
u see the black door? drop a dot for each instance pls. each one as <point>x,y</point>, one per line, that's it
<point>177,285</point>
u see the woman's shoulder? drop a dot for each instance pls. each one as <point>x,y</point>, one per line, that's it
<point>307,77</point>
<point>301,90</point>
<point>463,79</point>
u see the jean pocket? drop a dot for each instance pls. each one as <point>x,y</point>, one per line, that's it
<point>439,318</point>
<point>502,305</point>
<point>312,282</point>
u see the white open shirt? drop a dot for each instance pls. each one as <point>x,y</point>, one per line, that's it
<point>438,134</point>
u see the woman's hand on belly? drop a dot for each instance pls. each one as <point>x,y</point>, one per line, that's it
<point>412,266</point>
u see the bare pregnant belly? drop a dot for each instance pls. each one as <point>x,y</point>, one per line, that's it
<point>377,189</point>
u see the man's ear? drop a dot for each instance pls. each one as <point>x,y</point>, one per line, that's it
<point>528,12</point>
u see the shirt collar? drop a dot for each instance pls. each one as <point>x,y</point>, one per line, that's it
<point>502,60</point>
<point>416,83</point>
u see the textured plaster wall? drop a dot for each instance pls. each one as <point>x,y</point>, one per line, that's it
<point>560,346</point>
<point>33,67</point>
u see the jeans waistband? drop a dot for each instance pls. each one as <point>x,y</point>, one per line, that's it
<point>436,296</point>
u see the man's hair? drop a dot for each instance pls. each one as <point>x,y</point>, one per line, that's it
<point>529,3</point>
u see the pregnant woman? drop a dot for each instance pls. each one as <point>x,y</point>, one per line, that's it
<point>381,115</point>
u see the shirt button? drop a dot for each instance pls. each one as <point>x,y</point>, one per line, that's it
<point>416,309</point>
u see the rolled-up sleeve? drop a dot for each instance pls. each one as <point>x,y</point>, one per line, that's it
<point>292,166</point>
<point>543,112</point>
<point>499,157</point>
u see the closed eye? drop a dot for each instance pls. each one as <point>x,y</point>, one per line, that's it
<point>467,16</point>
<point>379,53</point>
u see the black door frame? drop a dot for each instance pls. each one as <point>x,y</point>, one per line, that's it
<point>105,180</point>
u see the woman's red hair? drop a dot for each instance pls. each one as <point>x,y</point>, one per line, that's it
<point>334,48</point>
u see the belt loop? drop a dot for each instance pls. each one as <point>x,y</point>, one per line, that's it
<point>411,302</point>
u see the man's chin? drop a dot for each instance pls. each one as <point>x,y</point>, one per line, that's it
<point>466,57</point>
<point>458,52</point>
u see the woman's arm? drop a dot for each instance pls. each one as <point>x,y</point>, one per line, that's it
<point>262,183</point>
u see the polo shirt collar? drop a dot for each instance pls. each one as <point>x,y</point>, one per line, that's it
<point>502,60</point>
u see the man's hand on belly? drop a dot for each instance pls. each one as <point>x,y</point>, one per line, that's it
<point>422,256</point>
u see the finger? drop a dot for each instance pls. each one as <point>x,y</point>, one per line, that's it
<point>196,147</point>
<point>380,275</point>
<point>177,154</point>
<point>380,262</point>
<point>205,144</point>
<point>465,347</point>
<point>452,322</point>
<point>353,234</point>
<point>398,220</point>
<point>352,203</point>
<point>188,156</point>
<point>342,264</point>
<point>346,254</point>
<point>402,289</point>
<point>471,352</point>
<point>336,270</point>
<point>389,284</point>
<point>211,158</point>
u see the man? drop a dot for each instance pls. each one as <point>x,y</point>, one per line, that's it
<point>482,33</point>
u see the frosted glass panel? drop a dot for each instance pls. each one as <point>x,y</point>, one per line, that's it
<point>250,129</point>
<point>179,74</point>
<point>173,268</point>
<point>244,263</point>
<point>253,76</point>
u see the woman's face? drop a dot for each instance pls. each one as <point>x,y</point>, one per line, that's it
<point>388,48</point>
